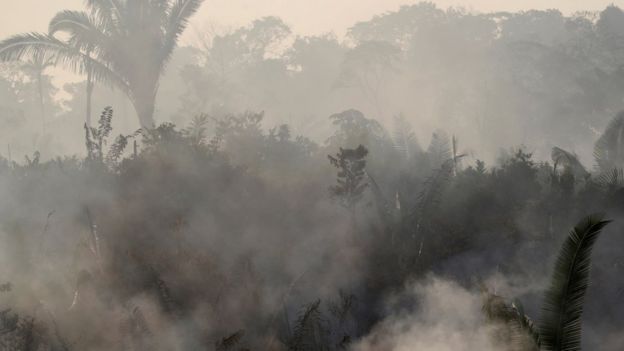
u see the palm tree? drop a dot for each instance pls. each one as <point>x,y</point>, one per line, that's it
<point>125,43</point>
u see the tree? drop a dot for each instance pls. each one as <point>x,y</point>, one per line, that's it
<point>126,43</point>
<point>351,180</point>
<point>353,128</point>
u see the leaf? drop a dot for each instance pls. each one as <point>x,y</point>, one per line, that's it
<point>403,138</point>
<point>560,325</point>
<point>609,149</point>
<point>566,159</point>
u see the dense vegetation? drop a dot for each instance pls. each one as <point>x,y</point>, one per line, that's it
<point>179,239</point>
<point>538,78</point>
<point>233,230</point>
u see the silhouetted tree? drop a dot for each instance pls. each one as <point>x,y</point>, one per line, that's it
<point>126,43</point>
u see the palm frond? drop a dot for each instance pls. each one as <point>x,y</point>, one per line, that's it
<point>110,13</point>
<point>28,45</point>
<point>83,31</point>
<point>439,150</point>
<point>434,186</point>
<point>403,137</point>
<point>560,325</point>
<point>569,160</point>
<point>610,181</point>
<point>179,15</point>
<point>525,328</point>
<point>609,148</point>
<point>385,208</point>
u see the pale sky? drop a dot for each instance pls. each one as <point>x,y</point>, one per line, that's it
<point>304,16</point>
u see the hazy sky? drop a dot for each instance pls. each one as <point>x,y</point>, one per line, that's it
<point>304,16</point>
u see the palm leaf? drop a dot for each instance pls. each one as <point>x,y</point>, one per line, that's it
<point>560,327</point>
<point>179,15</point>
<point>611,180</point>
<point>83,31</point>
<point>109,12</point>
<point>433,188</point>
<point>439,150</point>
<point>567,160</point>
<point>403,137</point>
<point>524,327</point>
<point>609,149</point>
<point>28,45</point>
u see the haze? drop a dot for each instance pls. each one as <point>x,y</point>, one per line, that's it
<point>305,17</point>
<point>311,175</point>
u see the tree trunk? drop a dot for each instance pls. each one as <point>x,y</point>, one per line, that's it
<point>89,88</point>
<point>144,104</point>
<point>89,95</point>
<point>41,102</point>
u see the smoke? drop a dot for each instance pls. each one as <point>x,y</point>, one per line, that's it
<point>432,314</point>
<point>232,230</point>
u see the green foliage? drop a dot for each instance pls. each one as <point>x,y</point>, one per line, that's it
<point>351,165</point>
<point>560,324</point>
<point>178,195</point>
<point>97,138</point>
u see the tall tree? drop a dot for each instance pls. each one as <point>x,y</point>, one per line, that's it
<point>126,43</point>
